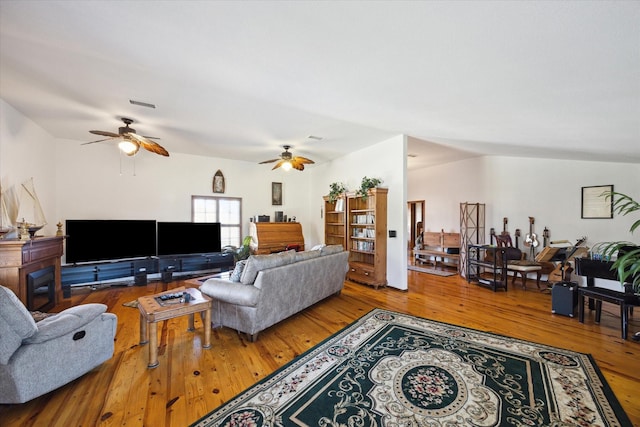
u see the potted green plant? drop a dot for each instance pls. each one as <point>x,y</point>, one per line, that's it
<point>244,251</point>
<point>627,263</point>
<point>365,185</point>
<point>336,189</point>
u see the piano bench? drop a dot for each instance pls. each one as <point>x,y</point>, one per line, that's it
<point>524,269</point>
<point>624,300</point>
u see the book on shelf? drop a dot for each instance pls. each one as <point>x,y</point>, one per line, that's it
<point>364,233</point>
<point>363,246</point>
<point>364,219</point>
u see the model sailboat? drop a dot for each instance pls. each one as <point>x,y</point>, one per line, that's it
<point>8,210</point>
<point>29,209</point>
<point>4,219</point>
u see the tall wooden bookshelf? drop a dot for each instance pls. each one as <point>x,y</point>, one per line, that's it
<point>367,237</point>
<point>334,222</point>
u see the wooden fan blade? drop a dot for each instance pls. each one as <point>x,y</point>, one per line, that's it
<point>295,164</point>
<point>149,145</point>
<point>268,161</point>
<point>280,163</point>
<point>303,159</point>
<point>100,140</point>
<point>104,133</point>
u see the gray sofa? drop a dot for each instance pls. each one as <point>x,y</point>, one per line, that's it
<point>36,358</point>
<point>274,287</point>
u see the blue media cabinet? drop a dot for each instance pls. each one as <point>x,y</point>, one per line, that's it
<point>139,269</point>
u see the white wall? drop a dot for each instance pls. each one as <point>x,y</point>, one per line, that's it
<point>26,151</point>
<point>517,188</point>
<point>387,161</point>
<point>90,185</point>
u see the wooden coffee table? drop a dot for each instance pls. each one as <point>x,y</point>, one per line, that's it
<point>153,310</point>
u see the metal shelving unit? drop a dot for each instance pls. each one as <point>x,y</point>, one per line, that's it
<point>487,266</point>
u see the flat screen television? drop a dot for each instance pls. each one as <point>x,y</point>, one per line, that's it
<point>101,240</point>
<point>181,238</point>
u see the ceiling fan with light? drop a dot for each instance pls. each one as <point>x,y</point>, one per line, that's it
<point>287,160</point>
<point>130,141</point>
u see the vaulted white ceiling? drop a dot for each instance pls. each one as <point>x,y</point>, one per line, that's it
<point>238,79</point>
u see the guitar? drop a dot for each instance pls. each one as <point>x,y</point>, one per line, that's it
<point>517,234</point>
<point>562,272</point>
<point>532,238</point>
<point>545,237</point>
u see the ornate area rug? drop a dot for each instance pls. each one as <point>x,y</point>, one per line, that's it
<point>431,271</point>
<point>393,369</point>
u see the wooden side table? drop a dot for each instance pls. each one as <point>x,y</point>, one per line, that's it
<point>153,309</point>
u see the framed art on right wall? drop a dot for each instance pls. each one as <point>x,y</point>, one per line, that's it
<point>597,202</point>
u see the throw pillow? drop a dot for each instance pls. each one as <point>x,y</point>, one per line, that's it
<point>237,271</point>
<point>38,315</point>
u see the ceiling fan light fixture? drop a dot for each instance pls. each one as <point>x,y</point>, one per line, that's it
<point>288,161</point>
<point>128,147</point>
<point>129,141</point>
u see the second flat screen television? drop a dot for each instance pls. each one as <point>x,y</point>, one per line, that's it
<point>180,238</point>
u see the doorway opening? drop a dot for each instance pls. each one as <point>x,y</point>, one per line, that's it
<point>415,213</point>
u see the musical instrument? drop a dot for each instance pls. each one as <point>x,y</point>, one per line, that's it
<point>505,220</point>
<point>517,234</point>
<point>562,272</point>
<point>532,238</point>
<point>545,237</point>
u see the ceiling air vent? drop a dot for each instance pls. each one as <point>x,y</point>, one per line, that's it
<point>142,104</point>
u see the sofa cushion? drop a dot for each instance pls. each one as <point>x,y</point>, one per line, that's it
<point>231,292</point>
<point>66,321</point>
<point>255,263</point>
<point>16,314</point>
<point>236,274</point>
<point>304,255</point>
<point>331,249</point>
<point>16,324</point>
<point>9,341</point>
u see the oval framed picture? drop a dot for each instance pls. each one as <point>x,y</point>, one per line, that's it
<point>218,182</point>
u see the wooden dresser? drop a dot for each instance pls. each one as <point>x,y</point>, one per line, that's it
<point>270,237</point>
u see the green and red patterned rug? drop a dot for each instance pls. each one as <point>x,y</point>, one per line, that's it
<point>393,369</point>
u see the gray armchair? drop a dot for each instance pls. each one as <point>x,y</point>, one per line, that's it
<point>36,358</point>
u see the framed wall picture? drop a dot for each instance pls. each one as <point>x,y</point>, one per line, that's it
<point>276,193</point>
<point>596,201</point>
<point>218,182</point>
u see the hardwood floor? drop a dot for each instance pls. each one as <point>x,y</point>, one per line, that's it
<point>191,381</point>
